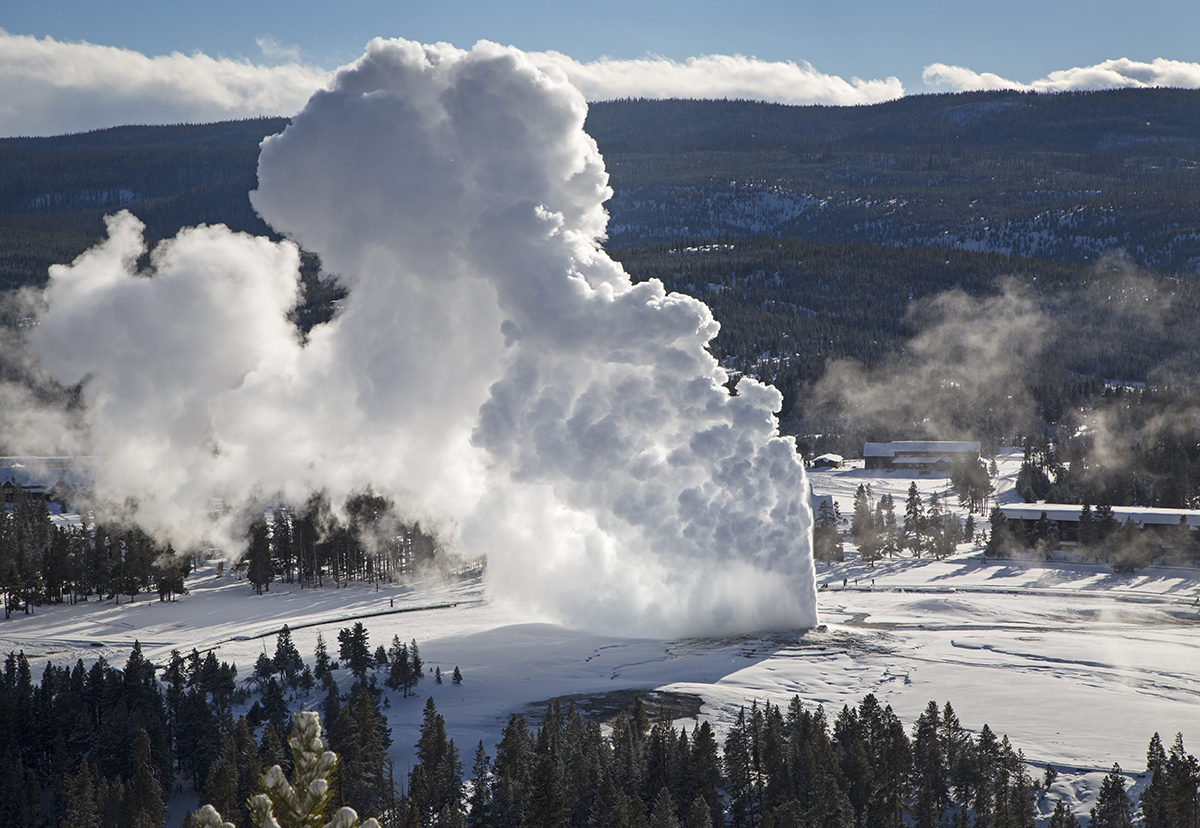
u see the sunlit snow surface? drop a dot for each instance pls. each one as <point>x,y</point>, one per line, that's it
<point>1077,665</point>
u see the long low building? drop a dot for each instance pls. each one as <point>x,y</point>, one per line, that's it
<point>922,455</point>
<point>1066,516</point>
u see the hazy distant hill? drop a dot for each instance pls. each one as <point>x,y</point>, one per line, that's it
<point>1063,177</point>
<point>54,192</point>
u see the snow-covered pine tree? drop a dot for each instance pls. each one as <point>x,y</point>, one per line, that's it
<point>305,801</point>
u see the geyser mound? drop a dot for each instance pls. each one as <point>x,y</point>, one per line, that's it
<point>491,368</point>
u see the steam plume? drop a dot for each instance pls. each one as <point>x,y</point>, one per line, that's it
<point>492,368</point>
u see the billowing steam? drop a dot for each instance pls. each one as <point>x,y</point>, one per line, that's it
<point>492,369</point>
<point>987,367</point>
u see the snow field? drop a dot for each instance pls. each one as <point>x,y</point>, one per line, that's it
<point>1077,665</point>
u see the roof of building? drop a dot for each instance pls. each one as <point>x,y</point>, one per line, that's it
<point>1141,515</point>
<point>924,446</point>
<point>44,472</point>
<point>829,458</point>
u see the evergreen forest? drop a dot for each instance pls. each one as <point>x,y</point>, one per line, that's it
<point>104,747</point>
<point>42,563</point>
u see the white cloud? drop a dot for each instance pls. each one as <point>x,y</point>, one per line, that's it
<point>1111,74</point>
<point>275,52</point>
<point>49,87</point>
<point>720,76</point>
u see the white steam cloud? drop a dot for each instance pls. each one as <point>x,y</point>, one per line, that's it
<point>1111,74</point>
<point>492,369</point>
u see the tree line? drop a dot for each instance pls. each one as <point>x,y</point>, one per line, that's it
<point>925,527</point>
<point>777,768</point>
<point>42,562</point>
<point>104,747</point>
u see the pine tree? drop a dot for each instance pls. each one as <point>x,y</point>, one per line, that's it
<point>1113,808</point>
<point>547,795</point>
<point>511,769</point>
<point>440,782</point>
<point>364,757</point>
<point>417,665</point>
<point>81,809</point>
<point>287,658</point>
<point>914,520</point>
<point>997,545</point>
<point>699,815</point>
<point>1062,817</point>
<point>354,649</point>
<point>706,769</point>
<point>258,556</point>
<point>739,772</point>
<point>827,537</point>
<point>862,521</point>
<point>1086,533</point>
<point>400,675</point>
<point>1183,786</point>
<point>321,669</point>
<point>221,787</point>
<point>480,804</point>
<point>663,815</point>
<point>1154,796</point>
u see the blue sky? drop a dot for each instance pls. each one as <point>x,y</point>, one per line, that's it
<point>239,59</point>
<point>1020,40</point>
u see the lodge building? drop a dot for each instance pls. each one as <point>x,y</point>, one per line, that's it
<point>920,455</point>
<point>1066,516</point>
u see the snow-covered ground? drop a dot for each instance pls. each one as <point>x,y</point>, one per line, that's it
<point>1077,665</point>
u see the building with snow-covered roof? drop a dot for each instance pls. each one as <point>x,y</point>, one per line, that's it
<point>828,461</point>
<point>43,477</point>
<point>922,455</point>
<point>1066,517</point>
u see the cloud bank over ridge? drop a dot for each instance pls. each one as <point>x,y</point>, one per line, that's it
<point>492,369</point>
<point>1111,74</point>
<point>50,87</point>
<point>721,76</point>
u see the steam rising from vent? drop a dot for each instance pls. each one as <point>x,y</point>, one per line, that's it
<point>492,369</point>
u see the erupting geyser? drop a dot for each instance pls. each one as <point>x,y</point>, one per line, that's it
<point>492,368</point>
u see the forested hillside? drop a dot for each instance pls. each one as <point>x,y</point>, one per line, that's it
<point>55,192</point>
<point>1064,177</point>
